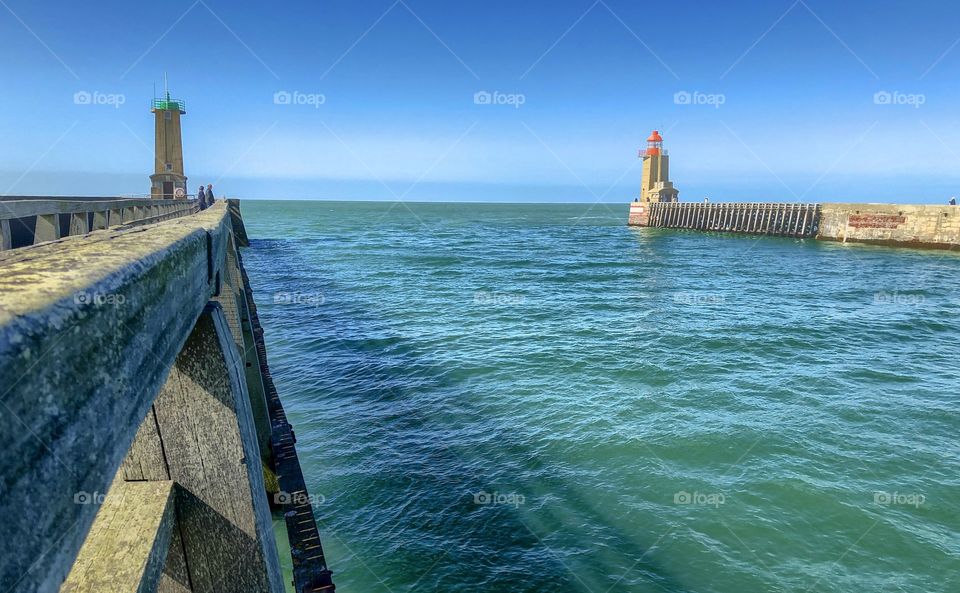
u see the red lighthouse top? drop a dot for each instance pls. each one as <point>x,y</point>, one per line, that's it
<point>654,144</point>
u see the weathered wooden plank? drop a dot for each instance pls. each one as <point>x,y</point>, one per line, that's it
<point>126,549</point>
<point>6,237</point>
<point>205,422</point>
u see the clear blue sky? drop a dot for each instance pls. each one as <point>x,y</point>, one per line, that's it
<point>398,78</point>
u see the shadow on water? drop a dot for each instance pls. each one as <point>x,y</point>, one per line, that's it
<point>406,458</point>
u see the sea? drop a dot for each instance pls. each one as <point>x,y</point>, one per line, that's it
<point>539,398</point>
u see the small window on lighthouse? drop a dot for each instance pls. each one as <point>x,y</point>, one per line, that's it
<point>169,166</point>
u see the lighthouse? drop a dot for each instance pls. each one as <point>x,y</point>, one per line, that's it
<point>655,184</point>
<point>168,181</point>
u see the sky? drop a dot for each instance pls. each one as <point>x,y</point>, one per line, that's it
<point>776,100</point>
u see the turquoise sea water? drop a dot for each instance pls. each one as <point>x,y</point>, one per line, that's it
<point>538,398</point>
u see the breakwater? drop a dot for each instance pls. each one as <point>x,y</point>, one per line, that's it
<point>903,225</point>
<point>143,442</point>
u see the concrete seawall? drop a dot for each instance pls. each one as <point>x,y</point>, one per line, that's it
<point>900,225</point>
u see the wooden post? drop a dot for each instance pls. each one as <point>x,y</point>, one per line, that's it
<point>47,228</point>
<point>78,224</point>
<point>100,219</point>
<point>6,237</point>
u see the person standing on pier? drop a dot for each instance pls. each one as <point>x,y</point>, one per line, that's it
<point>210,198</point>
<point>201,198</point>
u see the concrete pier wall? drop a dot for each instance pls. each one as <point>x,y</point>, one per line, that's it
<point>131,356</point>
<point>892,224</point>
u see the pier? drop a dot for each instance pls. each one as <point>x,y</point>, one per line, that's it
<point>899,225</point>
<point>144,444</point>
<point>786,220</point>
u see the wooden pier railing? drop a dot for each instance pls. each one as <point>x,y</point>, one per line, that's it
<point>29,220</point>
<point>788,220</point>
